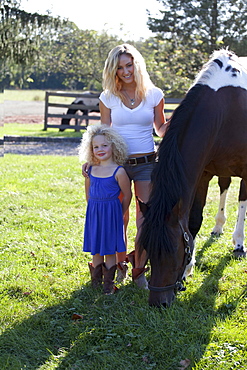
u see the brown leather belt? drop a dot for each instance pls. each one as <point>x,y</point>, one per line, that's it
<point>138,160</point>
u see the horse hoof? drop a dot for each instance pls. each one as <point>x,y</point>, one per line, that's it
<point>216,234</point>
<point>239,252</point>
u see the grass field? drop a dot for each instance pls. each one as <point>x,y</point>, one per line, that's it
<point>35,129</point>
<point>45,280</point>
<point>32,95</point>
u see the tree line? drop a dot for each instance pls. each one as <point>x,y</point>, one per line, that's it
<point>42,52</point>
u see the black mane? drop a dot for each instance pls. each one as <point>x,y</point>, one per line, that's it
<point>168,180</point>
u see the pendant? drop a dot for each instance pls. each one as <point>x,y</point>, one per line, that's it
<point>132,101</point>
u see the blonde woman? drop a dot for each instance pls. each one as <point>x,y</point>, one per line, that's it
<point>105,152</point>
<point>133,106</point>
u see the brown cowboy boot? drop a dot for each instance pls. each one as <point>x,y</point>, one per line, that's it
<point>138,273</point>
<point>96,274</point>
<point>122,270</point>
<point>131,258</point>
<point>108,279</point>
<point>139,278</point>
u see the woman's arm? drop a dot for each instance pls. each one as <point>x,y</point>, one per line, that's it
<point>105,114</point>
<point>160,123</point>
<point>84,169</point>
<point>125,186</point>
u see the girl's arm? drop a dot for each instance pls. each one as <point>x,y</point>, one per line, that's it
<point>87,184</point>
<point>160,123</point>
<point>124,183</point>
<point>105,114</point>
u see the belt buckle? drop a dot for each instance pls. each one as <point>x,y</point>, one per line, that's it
<point>136,163</point>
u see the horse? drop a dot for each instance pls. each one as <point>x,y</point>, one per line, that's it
<point>220,218</point>
<point>207,137</point>
<point>83,100</point>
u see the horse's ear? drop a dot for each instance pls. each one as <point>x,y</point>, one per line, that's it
<point>143,206</point>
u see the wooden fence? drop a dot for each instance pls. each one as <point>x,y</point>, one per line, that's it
<point>79,118</point>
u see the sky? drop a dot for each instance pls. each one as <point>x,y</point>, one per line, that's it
<point>126,19</point>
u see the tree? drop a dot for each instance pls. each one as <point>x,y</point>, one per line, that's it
<point>20,34</point>
<point>76,57</point>
<point>202,24</point>
<point>173,70</point>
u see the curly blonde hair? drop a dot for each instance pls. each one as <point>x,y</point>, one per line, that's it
<point>119,147</point>
<point>112,84</point>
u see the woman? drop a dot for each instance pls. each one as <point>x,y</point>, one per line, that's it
<point>133,106</point>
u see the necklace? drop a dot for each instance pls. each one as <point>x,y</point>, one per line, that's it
<point>132,101</point>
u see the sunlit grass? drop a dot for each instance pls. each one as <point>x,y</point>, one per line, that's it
<point>36,129</point>
<point>44,279</point>
<point>34,95</point>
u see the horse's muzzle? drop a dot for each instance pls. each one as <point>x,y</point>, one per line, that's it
<point>159,299</point>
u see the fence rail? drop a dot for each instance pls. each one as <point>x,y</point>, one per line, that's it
<point>79,118</point>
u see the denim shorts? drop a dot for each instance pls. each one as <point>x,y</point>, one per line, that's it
<point>140,172</point>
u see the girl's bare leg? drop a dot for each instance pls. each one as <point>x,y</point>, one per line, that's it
<point>110,260</point>
<point>97,260</point>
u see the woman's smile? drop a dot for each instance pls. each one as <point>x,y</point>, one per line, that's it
<point>125,71</point>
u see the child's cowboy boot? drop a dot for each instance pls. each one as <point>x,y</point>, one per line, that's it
<point>96,274</point>
<point>122,270</point>
<point>108,279</point>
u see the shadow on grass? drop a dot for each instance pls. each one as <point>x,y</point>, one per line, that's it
<point>118,331</point>
<point>206,245</point>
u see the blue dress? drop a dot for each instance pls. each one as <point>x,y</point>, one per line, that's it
<point>104,230</point>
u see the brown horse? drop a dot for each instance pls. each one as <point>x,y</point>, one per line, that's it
<point>207,136</point>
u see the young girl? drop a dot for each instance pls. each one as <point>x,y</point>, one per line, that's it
<point>105,150</point>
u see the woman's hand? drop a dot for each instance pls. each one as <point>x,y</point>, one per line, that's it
<point>84,170</point>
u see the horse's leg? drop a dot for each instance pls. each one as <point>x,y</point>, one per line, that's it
<point>238,235</point>
<point>196,214</point>
<point>220,218</point>
<point>66,121</point>
<point>199,202</point>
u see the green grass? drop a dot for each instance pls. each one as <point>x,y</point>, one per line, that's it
<point>44,279</point>
<point>36,129</point>
<point>24,95</point>
<point>34,95</point>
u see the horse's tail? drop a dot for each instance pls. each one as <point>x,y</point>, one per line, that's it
<point>168,183</point>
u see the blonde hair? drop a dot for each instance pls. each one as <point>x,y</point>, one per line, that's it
<point>119,148</point>
<point>112,84</point>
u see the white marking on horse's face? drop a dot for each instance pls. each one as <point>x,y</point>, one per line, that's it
<point>232,73</point>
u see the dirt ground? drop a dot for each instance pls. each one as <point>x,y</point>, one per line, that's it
<point>31,112</point>
<point>30,119</point>
<point>24,119</point>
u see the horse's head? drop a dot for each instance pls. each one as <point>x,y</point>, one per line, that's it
<point>169,268</point>
<point>168,265</point>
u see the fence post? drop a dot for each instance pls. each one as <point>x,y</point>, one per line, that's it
<point>46,109</point>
